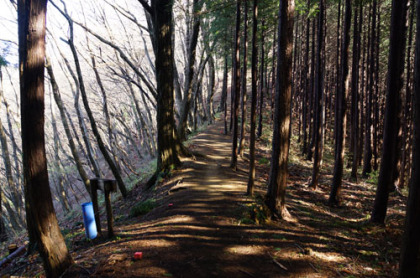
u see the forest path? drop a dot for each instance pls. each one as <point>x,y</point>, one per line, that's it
<point>196,231</point>
<point>198,228</point>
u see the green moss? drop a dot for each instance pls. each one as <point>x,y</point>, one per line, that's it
<point>257,212</point>
<point>373,177</point>
<point>263,160</point>
<point>142,208</point>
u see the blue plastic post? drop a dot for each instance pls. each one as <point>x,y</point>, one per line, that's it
<point>89,220</point>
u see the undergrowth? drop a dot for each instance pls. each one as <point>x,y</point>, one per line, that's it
<point>257,212</point>
<point>143,207</point>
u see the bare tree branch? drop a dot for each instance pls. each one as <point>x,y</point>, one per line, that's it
<point>146,6</point>
<point>117,48</point>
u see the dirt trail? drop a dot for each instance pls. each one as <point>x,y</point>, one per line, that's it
<point>196,230</point>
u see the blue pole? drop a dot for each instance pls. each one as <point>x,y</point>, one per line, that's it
<point>89,220</point>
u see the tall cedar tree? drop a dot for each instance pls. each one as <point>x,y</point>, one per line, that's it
<point>392,109</point>
<point>354,89</point>
<point>406,132</point>
<point>189,71</point>
<point>319,88</point>
<point>280,153</point>
<point>169,146</point>
<point>306,94</point>
<point>311,134</point>
<point>341,109</point>
<point>410,249</point>
<point>367,163</point>
<point>236,88</point>
<point>41,220</point>
<point>243,83</point>
<point>168,143</point>
<point>224,94</point>
<point>250,188</point>
<point>262,81</point>
<point>337,68</point>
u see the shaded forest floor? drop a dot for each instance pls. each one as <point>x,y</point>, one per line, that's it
<point>203,225</point>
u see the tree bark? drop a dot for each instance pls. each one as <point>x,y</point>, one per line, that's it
<point>410,249</point>
<point>254,61</point>
<point>262,83</point>
<point>223,103</point>
<point>169,146</point>
<point>341,110</point>
<point>42,223</point>
<point>408,92</point>
<point>367,157</point>
<point>189,71</point>
<point>306,88</point>
<point>392,109</point>
<point>319,94</point>
<point>237,88</point>
<point>311,122</point>
<point>280,153</point>
<point>355,89</point>
<point>211,85</point>
<point>243,83</point>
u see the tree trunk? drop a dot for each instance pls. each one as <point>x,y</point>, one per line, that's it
<point>367,157</point>
<point>251,177</point>
<point>223,102</point>
<point>169,146</point>
<point>319,94</point>
<point>392,109</point>
<point>410,249</point>
<point>42,223</point>
<point>354,90</point>
<point>311,121</point>
<point>243,83</point>
<point>211,84</point>
<point>306,93</point>
<point>189,71</point>
<point>223,97</point>
<point>362,91</point>
<point>375,147</point>
<point>341,110</point>
<point>261,88</point>
<point>278,169</point>
<point>237,88</point>
<point>408,92</point>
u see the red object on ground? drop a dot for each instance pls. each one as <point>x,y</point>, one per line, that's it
<point>138,255</point>
<point>170,204</point>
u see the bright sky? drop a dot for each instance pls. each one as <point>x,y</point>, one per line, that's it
<point>8,27</point>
